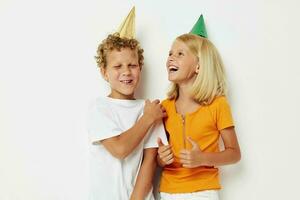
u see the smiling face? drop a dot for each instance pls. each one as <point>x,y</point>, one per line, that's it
<point>122,72</point>
<point>182,65</point>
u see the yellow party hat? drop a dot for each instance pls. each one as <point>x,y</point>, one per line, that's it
<point>127,28</point>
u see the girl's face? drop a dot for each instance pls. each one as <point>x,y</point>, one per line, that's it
<point>182,65</point>
<point>122,72</point>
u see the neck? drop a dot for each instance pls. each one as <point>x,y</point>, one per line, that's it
<point>184,94</point>
<point>185,103</point>
<point>184,90</point>
<point>121,96</point>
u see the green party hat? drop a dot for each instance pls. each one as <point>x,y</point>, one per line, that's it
<point>199,28</point>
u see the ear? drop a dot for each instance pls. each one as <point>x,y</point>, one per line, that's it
<point>103,73</point>
<point>197,68</point>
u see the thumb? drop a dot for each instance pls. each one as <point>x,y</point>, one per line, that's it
<point>156,101</point>
<point>193,143</point>
<point>159,142</point>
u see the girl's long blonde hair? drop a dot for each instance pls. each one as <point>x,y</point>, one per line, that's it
<point>210,81</point>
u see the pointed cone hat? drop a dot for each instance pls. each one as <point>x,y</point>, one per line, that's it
<point>199,28</point>
<point>127,28</point>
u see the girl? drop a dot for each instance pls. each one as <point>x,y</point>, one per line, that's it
<point>198,114</point>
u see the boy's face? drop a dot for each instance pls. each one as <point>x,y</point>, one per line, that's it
<point>182,65</point>
<point>122,72</point>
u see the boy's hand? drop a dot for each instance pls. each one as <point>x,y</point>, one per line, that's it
<point>154,111</point>
<point>165,154</point>
<point>192,158</point>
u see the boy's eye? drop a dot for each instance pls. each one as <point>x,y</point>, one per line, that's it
<point>132,65</point>
<point>117,66</point>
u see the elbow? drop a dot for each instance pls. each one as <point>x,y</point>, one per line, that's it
<point>119,152</point>
<point>238,156</point>
<point>235,155</point>
<point>116,148</point>
<point>120,156</point>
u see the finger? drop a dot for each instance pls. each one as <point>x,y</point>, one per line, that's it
<point>187,166</point>
<point>184,151</point>
<point>159,142</point>
<point>156,101</point>
<point>170,161</point>
<point>165,154</point>
<point>164,148</point>
<point>184,156</point>
<point>162,108</point>
<point>147,101</point>
<point>165,114</point>
<point>193,143</point>
<point>185,162</point>
<point>167,158</point>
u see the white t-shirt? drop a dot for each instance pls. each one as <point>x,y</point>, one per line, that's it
<point>110,177</point>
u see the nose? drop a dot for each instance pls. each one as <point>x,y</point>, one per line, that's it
<point>170,59</point>
<point>126,71</point>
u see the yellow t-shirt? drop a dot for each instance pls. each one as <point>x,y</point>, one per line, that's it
<point>202,126</point>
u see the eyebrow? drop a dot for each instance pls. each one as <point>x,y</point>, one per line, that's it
<point>179,50</point>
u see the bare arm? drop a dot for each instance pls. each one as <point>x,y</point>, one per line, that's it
<point>195,157</point>
<point>122,145</point>
<point>231,154</point>
<point>144,180</point>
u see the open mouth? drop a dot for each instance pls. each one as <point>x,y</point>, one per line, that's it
<point>126,81</point>
<point>173,68</point>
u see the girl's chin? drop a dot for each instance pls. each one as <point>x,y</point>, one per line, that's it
<point>172,79</point>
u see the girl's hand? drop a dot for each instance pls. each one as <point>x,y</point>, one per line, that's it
<point>192,158</point>
<point>165,155</point>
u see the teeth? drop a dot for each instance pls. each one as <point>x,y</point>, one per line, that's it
<point>126,81</point>
<point>173,68</point>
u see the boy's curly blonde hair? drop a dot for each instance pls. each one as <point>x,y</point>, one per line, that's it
<point>112,42</point>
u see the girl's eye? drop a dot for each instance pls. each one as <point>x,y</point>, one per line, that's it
<point>180,54</point>
<point>170,54</point>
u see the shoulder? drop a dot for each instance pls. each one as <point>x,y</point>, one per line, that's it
<point>99,102</point>
<point>166,103</point>
<point>220,105</point>
<point>219,101</point>
<point>139,102</point>
<point>99,106</point>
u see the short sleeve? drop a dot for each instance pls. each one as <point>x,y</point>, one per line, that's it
<point>100,124</point>
<point>156,131</point>
<point>224,116</point>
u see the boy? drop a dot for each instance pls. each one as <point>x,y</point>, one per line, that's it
<point>123,131</point>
